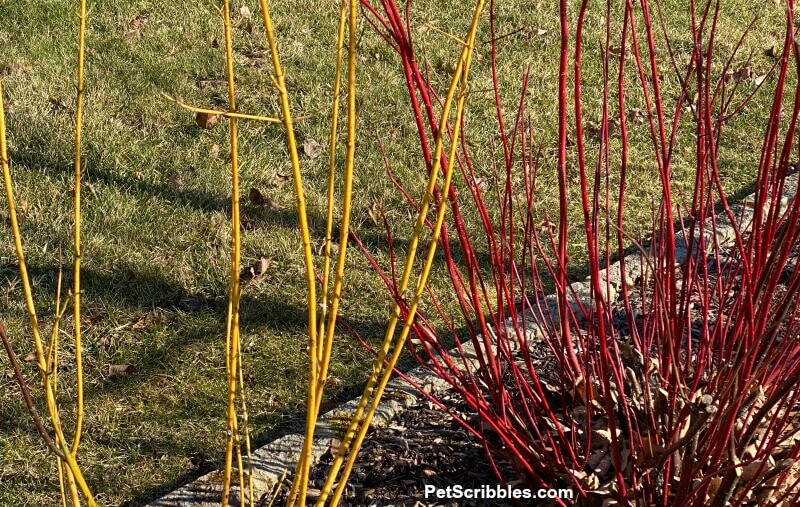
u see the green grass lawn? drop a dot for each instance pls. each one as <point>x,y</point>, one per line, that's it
<point>156,233</point>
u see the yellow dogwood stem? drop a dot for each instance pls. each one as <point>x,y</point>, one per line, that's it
<point>313,370</point>
<point>460,77</point>
<point>232,347</point>
<point>41,360</point>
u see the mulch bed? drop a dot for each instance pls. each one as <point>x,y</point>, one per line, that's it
<point>422,446</point>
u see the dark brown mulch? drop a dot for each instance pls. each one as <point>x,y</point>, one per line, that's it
<point>422,446</point>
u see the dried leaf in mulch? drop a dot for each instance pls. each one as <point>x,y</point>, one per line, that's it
<point>119,370</point>
<point>312,148</point>
<point>206,121</point>
<point>256,272</point>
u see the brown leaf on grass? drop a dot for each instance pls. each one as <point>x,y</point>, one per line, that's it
<point>194,303</point>
<point>119,370</point>
<point>214,43</point>
<point>772,52</point>
<point>256,272</point>
<point>146,321</point>
<point>198,460</point>
<point>312,148</point>
<point>375,214</point>
<point>636,116</point>
<point>743,74</point>
<point>6,69</point>
<point>215,151</point>
<point>538,31</point>
<point>137,21</point>
<point>175,178</point>
<point>257,198</point>
<point>92,318</point>
<point>280,180</point>
<point>593,128</point>
<point>133,35</point>
<point>208,82</point>
<point>31,356</point>
<point>244,12</point>
<point>105,342</point>
<point>206,121</point>
<point>247,225</point>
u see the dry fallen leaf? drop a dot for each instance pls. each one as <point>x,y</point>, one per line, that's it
<point>175,178</point>
<point>194,303</point>
<point>280,179</point>
<point>214,43</point>
<point>334,445</point>
<point>146,321</point>
<point>247,225</point>
<point>198,460</point>
<point>137,21</point>
<point>119,370</point>
<point>244,11</point>
<point>312,148</point>
<point>375,213</point>
<point>636,116</point>
<point>206,121</point>
<point>772,51</point>
<point>257,271</point>
<point>738,76</point>
<point>215,150</point>
<point>30,357</point>
<point>256,197</point>
<point>133,34</point>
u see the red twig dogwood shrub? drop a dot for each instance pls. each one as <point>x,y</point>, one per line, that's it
<point>668,377</point>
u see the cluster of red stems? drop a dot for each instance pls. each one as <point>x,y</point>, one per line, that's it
<point>716,335</point>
